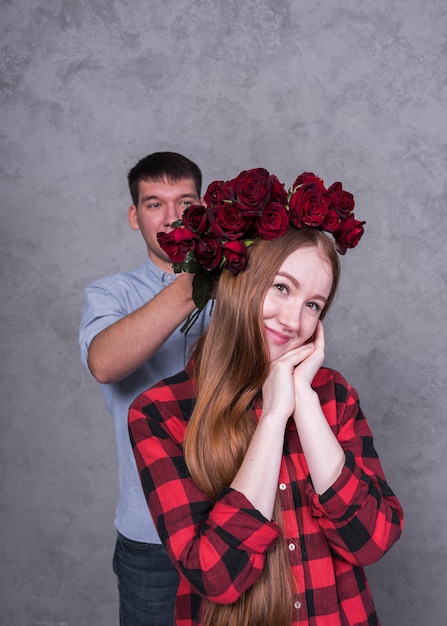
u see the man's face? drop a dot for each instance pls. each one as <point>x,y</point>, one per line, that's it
<point>159,205</point>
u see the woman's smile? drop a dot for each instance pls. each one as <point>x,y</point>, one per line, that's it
<point>276,337</point>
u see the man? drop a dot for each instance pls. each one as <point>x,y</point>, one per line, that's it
<point>130,339</point>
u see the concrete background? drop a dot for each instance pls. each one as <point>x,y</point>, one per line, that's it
<point>353,90</point>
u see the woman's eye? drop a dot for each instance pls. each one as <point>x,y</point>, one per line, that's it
<point>281,288</point>
<point>314,306</point>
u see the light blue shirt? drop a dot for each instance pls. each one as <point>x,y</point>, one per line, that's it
<point>106,301</point>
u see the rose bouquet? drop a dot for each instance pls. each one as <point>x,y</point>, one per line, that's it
<point>217,236</point>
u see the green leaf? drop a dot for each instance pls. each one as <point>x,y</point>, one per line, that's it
<point>190,264</point>
<point>202,287</point>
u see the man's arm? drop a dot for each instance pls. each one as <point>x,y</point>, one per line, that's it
<point>124,346</point>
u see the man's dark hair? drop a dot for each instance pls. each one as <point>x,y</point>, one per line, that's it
<point>159,166</point>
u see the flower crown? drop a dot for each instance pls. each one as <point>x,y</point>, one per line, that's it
<point>254,204</point>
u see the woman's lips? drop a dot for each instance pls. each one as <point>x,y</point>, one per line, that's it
<point>279,338</point>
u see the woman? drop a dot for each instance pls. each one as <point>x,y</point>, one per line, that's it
<point>257,463</point>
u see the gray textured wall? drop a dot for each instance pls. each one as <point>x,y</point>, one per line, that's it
<point>353,90</point>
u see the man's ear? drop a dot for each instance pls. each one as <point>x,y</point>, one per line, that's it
<point>132,217</point>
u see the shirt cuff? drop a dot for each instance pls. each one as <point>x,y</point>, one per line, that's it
<point>241,525</point>
<point>341,501</point>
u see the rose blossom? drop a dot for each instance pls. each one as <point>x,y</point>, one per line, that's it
<point>177,243</point>
<point>235,256</point>
<point>309,177</point>
<point>250,191</point>
<point>208,251</point>
<point>213,193</point>
<point>273,222</point>
<point>308,206</point>
<point>195,218</point>
<point>278,192</point>
<point>228,222</point>
<point>340,200</point>
<point>226,191</point>
<point>331,221</point>
<point>349,234</point>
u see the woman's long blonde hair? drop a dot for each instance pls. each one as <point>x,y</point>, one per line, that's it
<point>232,363</point>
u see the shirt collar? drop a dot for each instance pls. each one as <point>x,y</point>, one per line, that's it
<point>162,277</point>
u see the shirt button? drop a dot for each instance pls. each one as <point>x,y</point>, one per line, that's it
<point>283,486</point>
<point>297,604</point>
<point>292,546</point>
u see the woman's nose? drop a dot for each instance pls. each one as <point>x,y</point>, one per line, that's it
<point>290,317</point>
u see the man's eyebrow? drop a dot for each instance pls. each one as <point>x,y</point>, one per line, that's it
<point>152,197</point>
<point>296,283</point>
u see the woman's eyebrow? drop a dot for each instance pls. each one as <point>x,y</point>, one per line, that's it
<point>297,284</point>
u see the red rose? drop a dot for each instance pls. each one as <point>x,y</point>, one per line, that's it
<point>226,191</point>
<point>195,218</point>
<point>273,222</point>
<point>349,234</point>
<point>308,206</point>
<point>228,222</point>
<point>177,243</point>
<point>251,191</point>
<point>278,192</point>
<point>208,251</point>
<point>235,256</point>
<point>340,200</point>
<point>309,177</point>
<point>331,221</point>
<point>213,193</point>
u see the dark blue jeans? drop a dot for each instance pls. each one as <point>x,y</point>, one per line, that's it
<point>147,583</point>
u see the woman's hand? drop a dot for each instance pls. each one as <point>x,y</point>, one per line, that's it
<point>278,391</point>
<point>324,455</point>
<point>305,372</point>
<point>257,477</point>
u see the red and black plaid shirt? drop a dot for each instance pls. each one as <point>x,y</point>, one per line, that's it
<point>219,549</point>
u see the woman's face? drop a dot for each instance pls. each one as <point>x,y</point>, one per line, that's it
<point>295,300</point>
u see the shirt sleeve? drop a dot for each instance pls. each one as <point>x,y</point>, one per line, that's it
<point>219,548</point>
<point>359,514</point>
<point>100,310</point>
